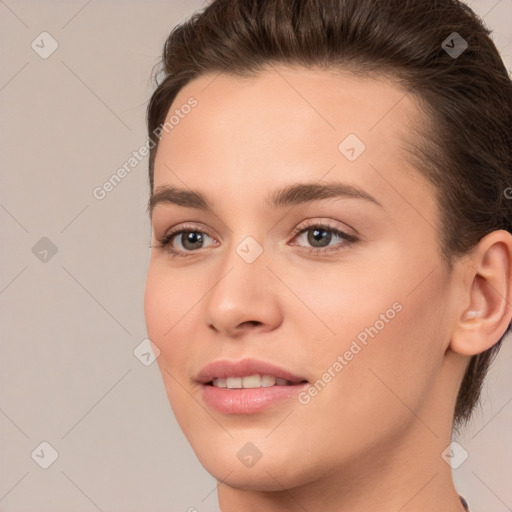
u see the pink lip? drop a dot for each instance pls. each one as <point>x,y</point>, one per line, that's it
<point>246,401</point>
<point>243,368</point>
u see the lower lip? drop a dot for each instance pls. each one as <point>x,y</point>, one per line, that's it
<point>248,401</point>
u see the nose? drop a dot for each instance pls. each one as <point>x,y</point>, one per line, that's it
<point>243,298</point>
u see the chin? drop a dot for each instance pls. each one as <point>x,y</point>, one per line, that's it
<point>275,470</point>
<point>258,478</point>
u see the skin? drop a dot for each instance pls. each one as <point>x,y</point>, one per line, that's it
<point>372,439</point>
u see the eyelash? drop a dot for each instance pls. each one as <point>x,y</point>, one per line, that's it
<point>166,240</point>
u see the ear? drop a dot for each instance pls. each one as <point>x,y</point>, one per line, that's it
<point>486,306</point>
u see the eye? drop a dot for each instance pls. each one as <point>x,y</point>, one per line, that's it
<point>319,236</point>
<point>187,238</point>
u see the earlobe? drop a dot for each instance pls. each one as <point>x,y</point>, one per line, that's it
<point>488,290</point>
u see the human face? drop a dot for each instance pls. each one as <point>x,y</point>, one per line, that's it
<point>377,301</point>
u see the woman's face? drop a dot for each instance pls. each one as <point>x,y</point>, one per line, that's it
<point>363,317</point>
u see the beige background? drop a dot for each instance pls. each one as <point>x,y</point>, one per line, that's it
<point>71,323</point>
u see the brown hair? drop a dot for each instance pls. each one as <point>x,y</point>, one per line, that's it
<point>466,148</point>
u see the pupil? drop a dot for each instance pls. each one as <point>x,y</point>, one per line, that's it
<point>193,238</point>
<point>319,235</point>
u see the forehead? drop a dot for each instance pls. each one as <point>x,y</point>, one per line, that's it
<point>289,124</point>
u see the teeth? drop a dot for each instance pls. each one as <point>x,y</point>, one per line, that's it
<point>250,382</point>
<point>220,383</point>
<point>234,382</point>
<point>268,381</point>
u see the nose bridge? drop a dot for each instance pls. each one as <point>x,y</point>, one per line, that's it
<point>241,272</point>
<point>241,292</point>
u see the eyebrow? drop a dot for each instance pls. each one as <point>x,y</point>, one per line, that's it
<point>294,194</point>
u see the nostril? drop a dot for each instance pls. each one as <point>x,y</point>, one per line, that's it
<point>252,322</point>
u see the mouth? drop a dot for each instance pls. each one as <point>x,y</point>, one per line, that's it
<point>247,386</point>
<point>247,373</point>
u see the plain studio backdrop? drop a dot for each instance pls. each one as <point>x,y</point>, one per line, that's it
<point>74,85</point>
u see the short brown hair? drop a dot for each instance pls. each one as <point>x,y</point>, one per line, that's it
<point>466,149</point>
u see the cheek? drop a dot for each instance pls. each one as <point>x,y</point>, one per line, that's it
<point>167,302</point>
<point>172,315</point>
<point>156,306</point>
<point>390,335</point>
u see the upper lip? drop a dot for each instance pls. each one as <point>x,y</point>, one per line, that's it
<point>243,368</point>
